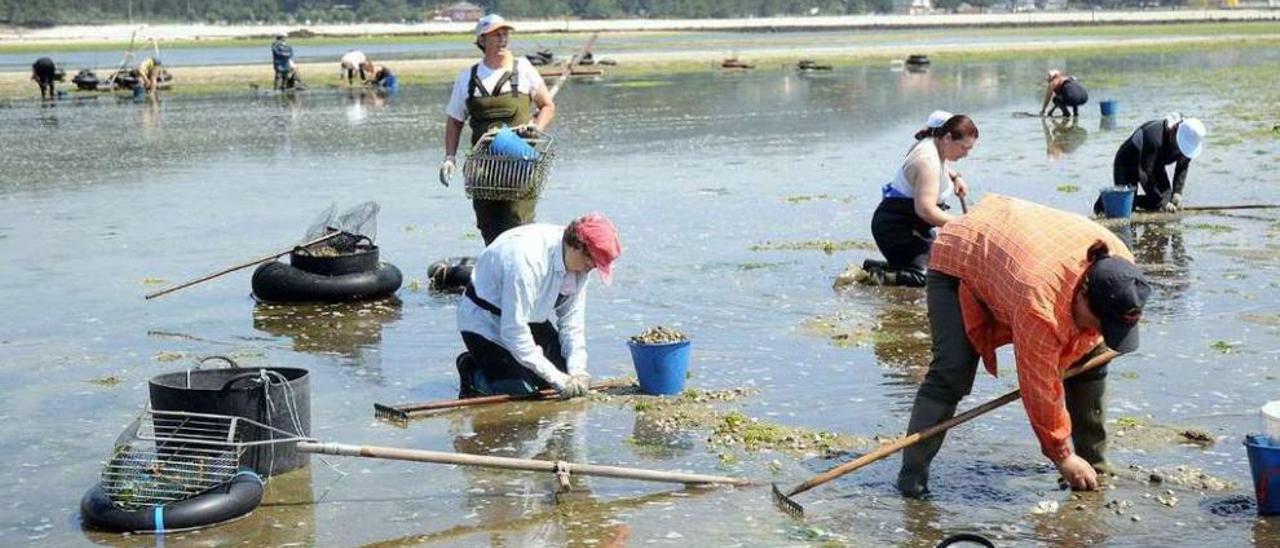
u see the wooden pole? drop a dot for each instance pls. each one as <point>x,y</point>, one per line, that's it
<point>507,463</point>
<point>568,69</point>
<point>231,269</point>
<point>1229,207</point>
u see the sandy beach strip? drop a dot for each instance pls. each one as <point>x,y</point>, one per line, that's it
<point>192,32</point>
<point>319,75</point>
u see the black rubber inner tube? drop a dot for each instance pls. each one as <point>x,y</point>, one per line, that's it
<point>452,274</point>
<point>234,499</point>
<point>276,282</point>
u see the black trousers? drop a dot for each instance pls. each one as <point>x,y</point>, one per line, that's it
<point>955,362</point>
<point>497,364</point>
<point>903,237</point>
<point>493,217</point>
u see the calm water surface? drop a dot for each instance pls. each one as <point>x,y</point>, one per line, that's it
<point>102,201</point>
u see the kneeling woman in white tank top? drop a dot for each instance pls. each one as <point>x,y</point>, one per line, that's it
<point>913,203</point>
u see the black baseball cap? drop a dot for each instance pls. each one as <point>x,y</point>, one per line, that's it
<point>1117,292</point>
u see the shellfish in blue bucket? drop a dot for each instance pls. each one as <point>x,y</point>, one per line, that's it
<point>507,143</point>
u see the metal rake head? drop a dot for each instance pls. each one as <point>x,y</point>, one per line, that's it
<point>389,413</point>
<point>784,503</point>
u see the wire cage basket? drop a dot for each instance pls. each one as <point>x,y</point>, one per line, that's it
<point>169,456</point>
<point>492,176</point>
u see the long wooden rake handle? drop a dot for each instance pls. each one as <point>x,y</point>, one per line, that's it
<point>410,410</point>
<point>1230,207</point>
<point>912,439</point>
<point>248,264</point>
<point>568,68</point>
<point>507,463</point>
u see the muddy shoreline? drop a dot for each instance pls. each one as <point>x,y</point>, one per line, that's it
<point>199,80</point>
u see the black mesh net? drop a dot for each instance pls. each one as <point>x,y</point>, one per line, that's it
<point>358,224</point>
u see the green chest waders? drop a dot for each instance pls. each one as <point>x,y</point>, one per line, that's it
<point>487,111</point>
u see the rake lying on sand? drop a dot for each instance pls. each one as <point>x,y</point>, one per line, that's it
<point>786,504</point>
<point>409,411</point>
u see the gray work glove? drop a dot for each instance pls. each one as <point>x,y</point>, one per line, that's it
<point>576,386</point>
<point>1176,199</point>
<point>446,170</point>
<point>1170,207</point>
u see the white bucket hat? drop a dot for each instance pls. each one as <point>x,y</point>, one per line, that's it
<point>1190,137</point>
<point>490,23</point>
<point>937,118</point>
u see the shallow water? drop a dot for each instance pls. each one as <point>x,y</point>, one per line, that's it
<point>103,201</point>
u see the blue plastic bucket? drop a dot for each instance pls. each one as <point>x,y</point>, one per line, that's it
<point>1264,463</point>
<point>1109,107</point>
<point>1117,202</point>
<point>139,91</point>
<point>391,83</point>
<point>661,368</point>
<point>507,143</point>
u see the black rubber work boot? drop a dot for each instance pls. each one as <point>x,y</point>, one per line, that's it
<point>1088,419</point>
<point>913,478</point>
<point>466,372</point>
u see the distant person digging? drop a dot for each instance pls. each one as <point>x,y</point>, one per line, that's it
<point>45,72</point>
<point>1063,91</point>
<point>379,76</point>
<point>149,74</point>
<point>352,65</point>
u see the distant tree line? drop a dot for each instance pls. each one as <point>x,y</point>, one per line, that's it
<point>51,12</point>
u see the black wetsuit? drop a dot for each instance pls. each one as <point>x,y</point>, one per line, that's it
<point>1141,162</point>
<point>1070,93</point>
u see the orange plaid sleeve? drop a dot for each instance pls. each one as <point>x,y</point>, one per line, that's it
<point>1020,265</point>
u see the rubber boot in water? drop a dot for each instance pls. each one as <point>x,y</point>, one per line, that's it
<point>466,376</point>
<point>913,478</point>
<point>1088,418</point>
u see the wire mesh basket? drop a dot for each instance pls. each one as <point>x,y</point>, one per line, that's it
<point>169,456</point>
<point>491,176</point>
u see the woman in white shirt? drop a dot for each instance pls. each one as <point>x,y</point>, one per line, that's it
<point>913,203</point>
<point>500,90</point>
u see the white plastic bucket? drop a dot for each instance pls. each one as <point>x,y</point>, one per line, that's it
<point>1271,420</point>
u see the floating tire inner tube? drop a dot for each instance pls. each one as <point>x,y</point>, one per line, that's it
<point>451,275</point>
<point>235,499</point>
<point>276,282</point>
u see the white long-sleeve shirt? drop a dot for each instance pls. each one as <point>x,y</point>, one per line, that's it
<point>523,273</point>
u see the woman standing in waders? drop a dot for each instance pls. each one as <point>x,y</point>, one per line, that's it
<point>500,90</point>
<point>903,224</point>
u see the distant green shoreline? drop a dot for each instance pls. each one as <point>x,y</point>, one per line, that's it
<point>1125,30</point>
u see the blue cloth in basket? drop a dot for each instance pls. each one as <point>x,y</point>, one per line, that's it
<point>508,143</point>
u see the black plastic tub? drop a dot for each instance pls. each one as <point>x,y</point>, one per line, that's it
<point>275,396</point>
<point>364,258</point>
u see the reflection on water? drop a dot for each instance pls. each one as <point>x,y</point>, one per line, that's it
<point>542,432</point>
<point>340,328</point>
<point>1062,136</point>
<point>1159,249</point>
